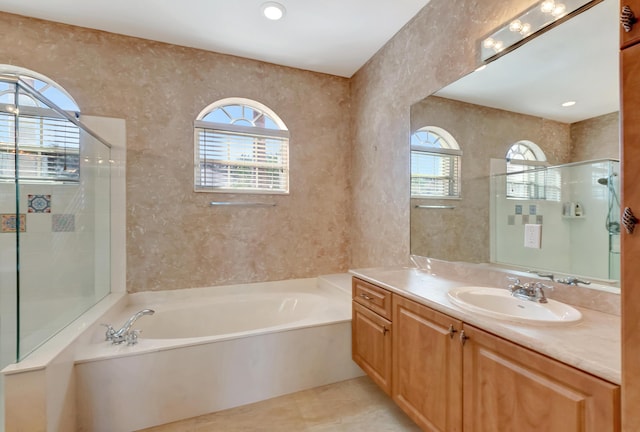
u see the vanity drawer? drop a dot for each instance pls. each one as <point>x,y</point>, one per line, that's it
<point>372,297</point>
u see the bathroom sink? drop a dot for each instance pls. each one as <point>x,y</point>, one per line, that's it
<point>499,303</point>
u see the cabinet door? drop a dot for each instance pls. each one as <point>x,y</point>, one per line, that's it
<point>509,388</point>
<point>630,293</point>
<point>633,36</point>
<point>427,366</point>
<point>371,345</point>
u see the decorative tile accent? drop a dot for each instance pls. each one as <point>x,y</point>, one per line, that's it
<point>39,203</point>
<point>9,223</point>
<point>518,209</point>
<point>532,209</point>
<point>63,223</point>
<point>525,219</point>
<point>539,219</point>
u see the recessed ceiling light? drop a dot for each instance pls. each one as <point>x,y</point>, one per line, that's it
<point>483,67</point>
<point>569,103</point>
<point>273,11</point>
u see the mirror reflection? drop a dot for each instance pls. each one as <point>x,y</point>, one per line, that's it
<point>482,148</point>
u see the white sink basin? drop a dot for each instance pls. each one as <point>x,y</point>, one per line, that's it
<point>499,303</point>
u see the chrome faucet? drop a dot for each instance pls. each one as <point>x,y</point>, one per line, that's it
<point>542,274</point>
<point>125,334</point>
<point>528,291</point>
<point>572,280</point>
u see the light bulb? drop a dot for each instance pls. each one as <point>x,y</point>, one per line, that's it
<point>488,43</point>
<point>526,29</point>
<point>515,26</point>
<point>559,10</point>
<point>547,6</point>
<point>498,46</point>
<point>568,103</point>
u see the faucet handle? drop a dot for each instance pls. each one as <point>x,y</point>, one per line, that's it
<point>108,335</point>
<point>540,285</point>
<point>132,337</point>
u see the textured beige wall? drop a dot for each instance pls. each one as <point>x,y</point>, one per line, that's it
<point>436,48</point>
<point>462,234</point>
<point>174,240</point>
<point>596,138</point>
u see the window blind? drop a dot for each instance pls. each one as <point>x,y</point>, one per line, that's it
<point>525,181</point>
<point>253,161</point>
<point>48,148</point>
<point>434,175</point>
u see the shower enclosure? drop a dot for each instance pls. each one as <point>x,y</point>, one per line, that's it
<point>54,215</point>
<point>578,207</point>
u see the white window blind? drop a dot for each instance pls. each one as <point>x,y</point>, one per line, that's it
<point>240,147</point>
<point>48,146</point>
<point>434,174</point>
<point>532,182</point>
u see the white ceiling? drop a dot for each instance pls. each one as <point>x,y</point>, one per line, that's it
<point>331,36</point>
<point>578,60</point>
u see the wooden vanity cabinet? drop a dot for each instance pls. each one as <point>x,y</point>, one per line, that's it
<point>427,366</point>
<point>630,242</point>
<point>449,376</point>
<point>371,332</point>
<point>510,388</point>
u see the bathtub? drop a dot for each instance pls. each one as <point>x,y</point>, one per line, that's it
<point>210,349</point>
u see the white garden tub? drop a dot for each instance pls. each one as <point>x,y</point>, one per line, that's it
<point>209,349</point>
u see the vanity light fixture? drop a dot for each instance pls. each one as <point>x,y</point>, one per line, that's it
<point>569,104</point>
<point>531,22</point>
<point>273,10</point>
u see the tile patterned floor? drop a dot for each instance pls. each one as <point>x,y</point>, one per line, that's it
<point>356,405</point>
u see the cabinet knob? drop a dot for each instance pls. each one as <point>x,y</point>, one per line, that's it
<point>366,297</point>
<point>463,338</point>
<point>452,331</point>
<point>385,330</point>
<point>627,18</point>
<point>629,220</point>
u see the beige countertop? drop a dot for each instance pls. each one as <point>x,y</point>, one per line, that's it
<point>592,344</point>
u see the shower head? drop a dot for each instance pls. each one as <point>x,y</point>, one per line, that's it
<point>605,180</point>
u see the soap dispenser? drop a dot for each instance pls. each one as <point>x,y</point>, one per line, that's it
<point>578,210</point>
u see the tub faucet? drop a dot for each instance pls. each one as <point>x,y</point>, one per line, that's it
<point>125,334</point>
<point>528,291</point>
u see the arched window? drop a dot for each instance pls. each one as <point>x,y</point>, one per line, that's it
<point>48,144</point>
<point>241,146</point>
<point>526,177</point>
<point>435,164</point>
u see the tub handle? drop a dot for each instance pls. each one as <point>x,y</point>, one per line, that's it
<point>108,335</point>
<point>132,337</point>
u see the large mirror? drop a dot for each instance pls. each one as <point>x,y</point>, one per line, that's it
<point>553,102</point>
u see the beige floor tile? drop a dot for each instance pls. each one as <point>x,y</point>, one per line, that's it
<point>356,405</point>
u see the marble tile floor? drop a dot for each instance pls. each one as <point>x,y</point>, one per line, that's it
<point>356,405</point>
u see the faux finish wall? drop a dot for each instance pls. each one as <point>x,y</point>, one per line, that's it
<point>436,48</point>
<point>174,239</point>
<point>596,138</point>
<point>483,133</point>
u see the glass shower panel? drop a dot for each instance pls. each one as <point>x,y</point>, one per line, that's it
<point>8,239</point>
<point>64,196</point>
<point>579,209</point>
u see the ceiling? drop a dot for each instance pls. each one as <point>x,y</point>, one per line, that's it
<point>331,36</point>
<point>576,61</point>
